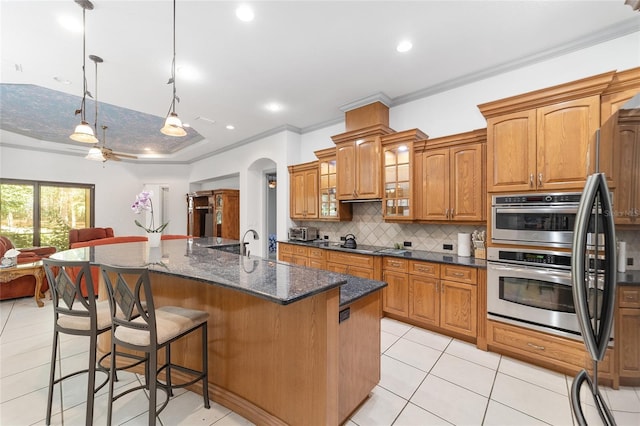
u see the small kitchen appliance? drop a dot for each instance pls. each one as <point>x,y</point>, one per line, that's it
<point>303,233</point>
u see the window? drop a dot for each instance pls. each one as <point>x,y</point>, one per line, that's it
<point>34,213</point>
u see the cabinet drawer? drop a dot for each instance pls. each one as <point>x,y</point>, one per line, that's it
<point>424,269</point>
<point>460,274</point>
<point>541,346</point>
<point>317,253</point>
<point>350,270</point>
<point>361,260</point>
<point>629,297</point>
<point>301,251</point>
<point>395,264</point>
<point>285,248</point>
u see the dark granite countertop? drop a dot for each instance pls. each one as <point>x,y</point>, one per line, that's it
<point>201,259</point>
<point>404,254</point>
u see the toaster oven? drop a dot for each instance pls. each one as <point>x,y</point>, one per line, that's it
<point>303,233</point>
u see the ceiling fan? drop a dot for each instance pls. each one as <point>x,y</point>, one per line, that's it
<point>102,153</point>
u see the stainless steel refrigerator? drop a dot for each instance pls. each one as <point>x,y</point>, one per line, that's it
<point>594,286</point>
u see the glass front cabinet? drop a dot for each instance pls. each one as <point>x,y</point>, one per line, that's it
<point>397,174</point>
<point>330,207</point>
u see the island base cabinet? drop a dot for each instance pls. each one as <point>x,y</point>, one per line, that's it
<point>274,364</point>
<point>359,353</point>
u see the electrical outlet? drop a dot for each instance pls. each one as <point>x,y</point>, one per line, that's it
<point>343,239</point>
<point>407,243</point>
<point>326,237</point>
<point>447,246</point>
<point>629,261</point>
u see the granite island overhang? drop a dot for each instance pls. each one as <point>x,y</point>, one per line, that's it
<point>287,344</point>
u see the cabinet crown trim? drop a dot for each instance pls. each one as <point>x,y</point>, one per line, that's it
<point>377,130</point>
<point>303,166</point>
<point>624,80</point>
<point>590,86</point>
<point>474,136</point>
<point>404,136</point>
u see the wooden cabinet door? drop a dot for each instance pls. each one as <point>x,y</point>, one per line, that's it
<point>458,307</point>
<point>435,184</point>
<point>311,195</point>
<point>298,197</point>
<point>565,138</point>
<point>511,152</point>
<point>424,300</point>
<point>627,174</point>
<point>368,177</point>
<point>304,193</point>
<point>628,336</point>
<point>395,297</point>
<point>467,183</point>
<point>346,171</point>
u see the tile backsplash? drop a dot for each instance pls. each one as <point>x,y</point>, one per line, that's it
<point>369,228</point>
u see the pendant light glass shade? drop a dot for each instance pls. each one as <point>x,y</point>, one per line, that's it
<point>84,133</point>
<point>173,126</point>
<point>95,154</point>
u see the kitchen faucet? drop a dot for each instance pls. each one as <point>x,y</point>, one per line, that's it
<point>243,245</point>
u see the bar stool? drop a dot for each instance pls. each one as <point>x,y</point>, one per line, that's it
<point>141,327</point>
<point>77,315</point>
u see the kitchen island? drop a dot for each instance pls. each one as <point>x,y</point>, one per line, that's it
<point>287,344</point>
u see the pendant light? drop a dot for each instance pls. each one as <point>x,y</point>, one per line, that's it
<point>83,131</point>
<point>173,124</point>
<point>95,153</point>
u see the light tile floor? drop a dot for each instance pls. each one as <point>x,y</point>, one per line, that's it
<point>427,379</point>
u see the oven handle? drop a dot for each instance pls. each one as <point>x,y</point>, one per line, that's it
<point>568,210</point>
<point>558,277</point>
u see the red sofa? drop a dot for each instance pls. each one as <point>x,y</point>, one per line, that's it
<point>88,234</point>
<point>23,286</point>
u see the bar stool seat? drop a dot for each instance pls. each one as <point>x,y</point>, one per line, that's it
<point>139,326</point>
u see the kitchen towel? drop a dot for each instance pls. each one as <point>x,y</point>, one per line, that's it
<point>464,244</point>
<point>622,256</point>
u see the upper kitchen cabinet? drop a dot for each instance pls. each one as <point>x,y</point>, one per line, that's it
<point>303,185</point>
<point>397,165</point>
<point>330,208</point>
<point>358,163</point>
<point>358,152</point>
<point>623,131</point>
<point>450,178</point>
<point>544,140</point>
<point>624,86</point>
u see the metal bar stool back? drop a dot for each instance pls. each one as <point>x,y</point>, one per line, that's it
<point>77,315</point>
<point>140,326</point>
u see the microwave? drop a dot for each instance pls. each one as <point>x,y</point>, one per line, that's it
<point>303,233</point>
<point>540,219</point>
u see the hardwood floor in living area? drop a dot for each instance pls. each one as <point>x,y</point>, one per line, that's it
<point>427,379</point>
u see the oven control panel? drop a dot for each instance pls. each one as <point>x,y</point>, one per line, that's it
<point>555,259</point>
<point>531,199</point>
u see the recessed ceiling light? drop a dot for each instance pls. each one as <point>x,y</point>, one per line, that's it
<point>245,13</point>
<point>274,107</point>
<point>404,46</point>
<point>70,24</point>
<point>230,127</point>
<point>187,72</point>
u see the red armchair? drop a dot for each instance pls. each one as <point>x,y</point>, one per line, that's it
<point>88,234</point>
<point>23,286</point>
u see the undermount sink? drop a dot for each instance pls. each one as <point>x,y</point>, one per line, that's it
<point>392,251</point>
